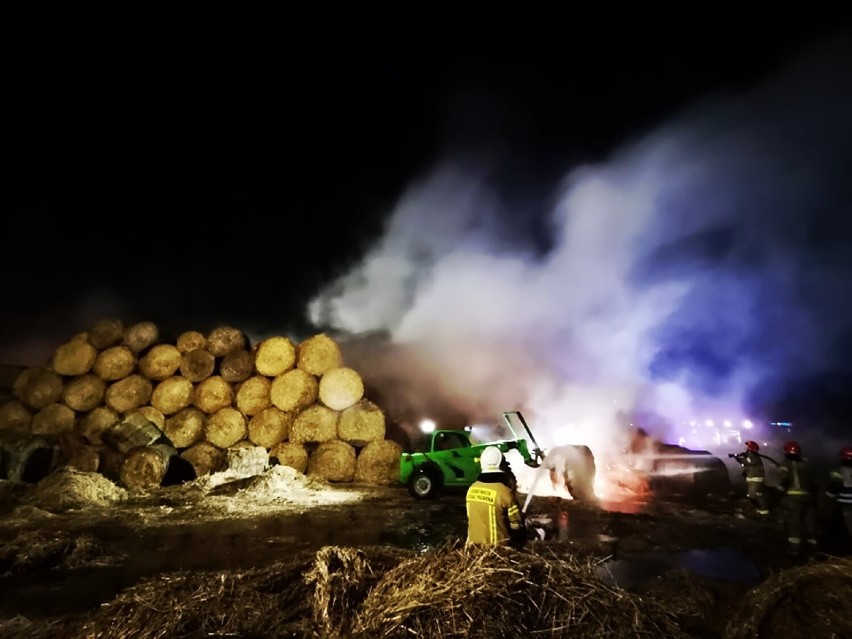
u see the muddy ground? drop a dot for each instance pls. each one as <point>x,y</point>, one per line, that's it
<point>240,523</point>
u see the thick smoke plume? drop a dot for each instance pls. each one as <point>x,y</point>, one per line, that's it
<point>704,264</point>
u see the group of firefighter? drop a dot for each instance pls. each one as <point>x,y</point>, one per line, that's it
<point>494,515</point>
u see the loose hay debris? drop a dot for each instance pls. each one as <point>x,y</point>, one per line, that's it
<point>41,551</point>
<point>69,488</point>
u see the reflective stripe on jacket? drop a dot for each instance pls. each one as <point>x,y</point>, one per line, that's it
<point>492,513</point>
<point>752,465</point>
<point>795,479</point>
<point>840,484</point>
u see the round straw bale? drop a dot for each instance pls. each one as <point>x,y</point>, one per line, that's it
<point>129,393</point>
<point>146,466</point>
<point>340,388</point>
<point>96,422</point>
<point>253,395</point>
<point>53,419</point>
<point>106,333</point>
<point>315,424</point>
<point>224,340</point>
<point>83,336</point>
<point>290,454</point>
<point>74,358</point>
<point>275,355</point>
<point>361,424</point>
<point>140,336</point>
<point>162,361</point>
<point>84,392</point>
<point>172,394</point>
<point>153,415</point>
<point>197,365</point>
<point>319,353</point>
<point>15,416</point>
<point>378,463</point>
<point>109,462</point>
<point>205,458</point>
<point>190,340</point>
<point>114,363</point>
<point>225,427</point>
<point>75,452</point>
<point>237,366</point>
<point>269,427</point>
<point>38,387</point>
<point>213,394</point>
<point>333,461</point>
<point>294,390</point>
<point>186,427</point>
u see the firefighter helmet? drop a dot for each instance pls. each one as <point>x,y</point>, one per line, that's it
<point>846,453</point>
<point>792,448</point>
<point>490,460</point>
<point>752,446</point>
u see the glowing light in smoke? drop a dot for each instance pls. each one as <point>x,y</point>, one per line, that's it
<point>747,424</point>
<point>428,426</point>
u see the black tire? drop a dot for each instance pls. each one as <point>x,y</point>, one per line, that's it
<point>424,484</point>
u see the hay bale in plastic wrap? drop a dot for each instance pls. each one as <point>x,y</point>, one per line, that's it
<point>197,365</point>
<point>225,427</point>
<point>361,424</point>
<point>294,390</point>
<point>333,461</point>
<point>131,432</point>
<point>15,416</point>
<point>38,387</point>
<point>186,427</point>
<point>145,467</point>
<point>172,395</point>
<point>319,353</point>
<point>190,340</point>
<point>84,393</point>
<point>223,340</point>
<point>74,358</point>
<point>378,463</point>
<point>152,414</point>
<point>253,395</point>
<point>275,355</point>
<point>105,333</point>
<point>129,393</point>
<point>114,363</point>
<point>340,388</point>
<point>140,336</point>
<point>289,454</point>
<point>269,427</point>
<point>161,362</point>
<point>213,394</point>
<point>95,423</point>
<point>315,424</point>
<point>53,420</point>
<point>205,458</point>
<point>237,366</point>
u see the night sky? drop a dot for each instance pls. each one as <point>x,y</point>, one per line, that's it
<point>235,187</point>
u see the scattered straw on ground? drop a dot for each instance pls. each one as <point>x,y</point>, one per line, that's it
<point>41,550</point>
<point>69,488</point>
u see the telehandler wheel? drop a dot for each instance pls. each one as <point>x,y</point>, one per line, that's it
<point>424,484</point>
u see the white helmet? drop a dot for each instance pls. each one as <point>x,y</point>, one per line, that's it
<point>490,459</point>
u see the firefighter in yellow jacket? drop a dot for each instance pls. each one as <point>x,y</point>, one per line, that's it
<point>798,500</point>
<point>493,512</point>
<point>840,486</point>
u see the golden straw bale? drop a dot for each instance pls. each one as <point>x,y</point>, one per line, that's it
<point>269,427</point>
<point>114,363</point>
<point>378,463</point>
<point>38,387</point>
<point>205,458</point>
<point>253,395</point>
<point>106,333</point>
<point>294,390</point>
<point>197,365</point>
<point>152,414</point>
<point>146,466</point>
<point>172,394</point>
<point>224,340</point>
<point>74,358</point>
<point>361,424</point>
<point>333,461</point>
<point>129,393</point>
<point>340,388</point>
<point>162,361</point>
<point>213,394</point>
<point>225,427</point>
<point>95,423</point>
<point>319,353</point>
<point>186,427</point>
<point>275,355</point>
<point>315,424</point>
<point>14,415</point>
<point>140,336</point>
<point>237,366</point>
<point>190,340</point>
<point>84,393</point>
<point>289,454</point>
<point>53,419</point>
<point>75,452</point>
